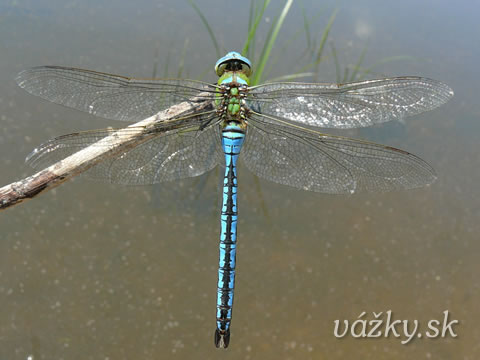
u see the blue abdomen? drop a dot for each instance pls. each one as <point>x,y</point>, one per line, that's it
<point>232,140</point>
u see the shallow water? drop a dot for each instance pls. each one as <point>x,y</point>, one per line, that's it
<point>99,271</point>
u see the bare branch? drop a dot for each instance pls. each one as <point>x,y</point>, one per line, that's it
<point>123,140</point>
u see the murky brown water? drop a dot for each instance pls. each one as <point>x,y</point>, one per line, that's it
<point>98,271</point>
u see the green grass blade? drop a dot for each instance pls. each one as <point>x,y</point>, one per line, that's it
<point>359,63</point>
<point>286,43</point>
<point>155,60</point>
<point>387,60</point>
<point>253,30</point>
<point>271,41</point>
<point>251,17</point>
<point>167,62</point>
<point>181,63</point>
<point>207,25</point>
<point>345,74</point>
<point>325,33</point>
<point>335,60</point>
<point>201,76</point>
<point>267,37</point>
<point>323,40</point>
<point>306,26</point>
<point>290,77</point>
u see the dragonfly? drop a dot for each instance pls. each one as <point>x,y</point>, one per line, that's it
<point>273,128</point>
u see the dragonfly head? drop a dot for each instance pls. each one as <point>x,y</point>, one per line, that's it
<point>233,61</point>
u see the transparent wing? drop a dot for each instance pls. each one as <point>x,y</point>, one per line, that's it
<point>350,105</point>
<point>109,96</point>
<point>173,155</point>
<point>309,160</point>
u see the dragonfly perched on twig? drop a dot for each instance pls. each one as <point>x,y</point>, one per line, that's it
<point>271,127</point>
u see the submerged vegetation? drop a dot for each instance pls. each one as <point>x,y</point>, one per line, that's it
<point>318,47</point>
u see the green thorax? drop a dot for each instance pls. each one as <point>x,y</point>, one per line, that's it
<point>232,79</point>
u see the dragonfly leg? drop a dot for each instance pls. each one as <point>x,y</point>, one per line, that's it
<point>205,124</point>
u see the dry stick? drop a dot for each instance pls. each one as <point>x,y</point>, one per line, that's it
<point>123,140</point>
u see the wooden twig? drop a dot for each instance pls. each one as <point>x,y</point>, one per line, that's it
<point>116,143</point>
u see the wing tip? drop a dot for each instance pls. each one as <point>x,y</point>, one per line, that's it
<point>447,90</point>
<point>24,77</point>
<point>21,77</point>
<point>442,89</point>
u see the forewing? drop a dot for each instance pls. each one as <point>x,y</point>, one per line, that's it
<point>318,162</point>
<point>109,96</point>
<point>169,156</point>
<point>350,105</point>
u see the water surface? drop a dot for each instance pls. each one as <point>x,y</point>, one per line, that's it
<point>99,271</point>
